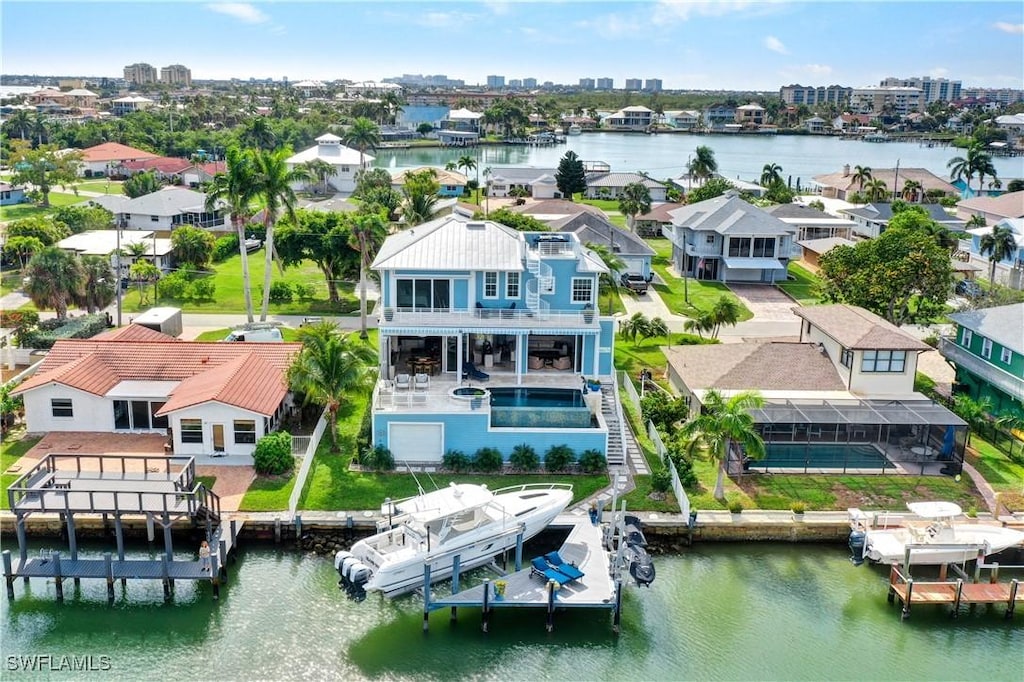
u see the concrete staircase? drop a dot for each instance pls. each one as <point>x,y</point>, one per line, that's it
<point>619,452</point>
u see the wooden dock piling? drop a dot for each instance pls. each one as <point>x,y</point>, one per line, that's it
<point>8,573</point>
<point>108,568</point>
<point>426,597</point>
<point>277,530</point>
<point>552,586</point>
<point>57,577</point>
<point>487,601</point>
<point>456,570</point>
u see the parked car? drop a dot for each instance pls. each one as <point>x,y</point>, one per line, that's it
<point>634,283</point>
<point>968,288</point>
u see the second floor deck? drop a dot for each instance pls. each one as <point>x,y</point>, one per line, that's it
<point>483,317</point>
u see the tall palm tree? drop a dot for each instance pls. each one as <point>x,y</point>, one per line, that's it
<point>20,124</point>
<point>258,133</point>
<point>634,200</point>
<point>911,190</point>
<point>1001,243</point>
<point>363,134</point>
<point>318,170</point>
<point>861,175</point>
<point>330,366</point>
<point>273,187</point>
<point>487,191</point>
<point>726,311</point>
<point>367,233</point>
<point>704,322</point>
<point>615,266</point>
<point>234,191</point>
<point>721,423</point>
<point>467,162</point>
<point>976,162</point>
<point>877,190</point>
<point>703,165</point>
<point>771,174</point>
<point>55,279</point>
<point>98,283</point>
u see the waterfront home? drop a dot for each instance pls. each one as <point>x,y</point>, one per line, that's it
<point>201,173</point>
<point>634,118</point>
<point>652,223</point>
<point>1013,125</point>
<point>504,180</point>
<point>1009,270</point>
<point>687,119</point>
<point>871,219</point>
<point>843,185</point>
<point>104,243</point>
<point>814,249</point>
<point>848,123</point>
<point>11,194</point>
<point>811,223</point>
<point>751,115</point>
<point>463,120</point>
<point>717,116</point>
<point>129,104</point>
<point>610,185</point>
<point>212,398</point>
<point>840,398</point>
<point>451,183</point>
<point>345,161</point>
<point>101,159</point>
<point>992,208</point>
<point>726,239</point>
<point>472,310</point>
<point>164,209</point>
<point>816,125</point>
<point>987,349</point>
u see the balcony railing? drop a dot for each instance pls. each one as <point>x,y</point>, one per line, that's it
<point>704,249</point>
<point>1004,381</point>
<point>487,317</point>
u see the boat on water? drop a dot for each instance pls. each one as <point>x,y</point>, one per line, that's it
<point>463,519</point>
<point>876,137</point>
<point>935,532</point>
<point>574,130</point>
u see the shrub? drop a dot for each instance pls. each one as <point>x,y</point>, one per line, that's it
<point>663,409</point>
<point>592,462</point>
<point>363,437</point>
<point>201,289</point>
<point>304,292</point>
<point>225,247</point>
<point>735,506</point>
<point>281,292</point>
<point>684,465</point>
<point>48,331</point>
<point>661,480</point>
<point>455,460</point>
<point>174,285</point>
<point>273,454</point>
<point>488,460</point>
<point>798,507</point>
<point>559,458</point>
<point>524,458</point>
<point>694,340</point>
<point>380,459</point>
<point>932,340</point>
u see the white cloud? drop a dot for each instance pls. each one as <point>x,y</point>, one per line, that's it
<point>499,7</point>
<point>817,69</point>
<point>775,45</point>
<point>671,11</point>
<point>612,26</point>
<point>939,72</point>
<point>243,11</point>
<point>1007,27</point>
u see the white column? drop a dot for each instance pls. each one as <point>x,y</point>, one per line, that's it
<point>521,346</point>
<point>458,361</point>
<point>597,355</point>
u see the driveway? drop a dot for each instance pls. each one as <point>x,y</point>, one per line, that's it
<point>766,302</point>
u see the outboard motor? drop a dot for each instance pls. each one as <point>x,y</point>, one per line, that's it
<point>857,540</point>
<point>339,558</point>
<point>641,567</point>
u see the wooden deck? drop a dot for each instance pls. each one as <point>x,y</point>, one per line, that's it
<point>135,569</point>
<point>911,592</point>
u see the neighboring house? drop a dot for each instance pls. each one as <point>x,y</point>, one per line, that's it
<point>659,218</point>
<point>810,223</point>
<point>1010,270</point>
<point>636,118</point>
<point>452,184</point>
<point>101,159</point>
<point>463,120</point>
<point>201,173</point>
<point>1013,125</point>
<point>726,239</point>
<point>871,220</point>
<point>460,297</point>
<point>11,194</point>
<point>130,104</point>
<point>610,185</point>
<point>503,180</point>
<point>814,249</point>
<point>841,398</point>
<point>168,170</point>
<point>987,350</point>
<point>751,115</point>
<point>212,398</point>
<point>842,185</point>
<point>816,125</point>
<point>682,120</point>
<point>105,242</point>
<point>850,123</point>
<point>717,116</point>
<point>164,209</point>
<point>345,161</point>
<point>992,209</point>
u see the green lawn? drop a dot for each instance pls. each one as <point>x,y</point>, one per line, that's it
<point>19,211</point>
<point>14,445</point>
<point>101,186</point>
<point>686,297</point>
<point>1002,473</point>
<point>228,297</point>
<point>10,281</point>
<point>805,286</point>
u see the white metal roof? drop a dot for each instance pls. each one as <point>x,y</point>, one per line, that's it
<point>135,388</point>
<point>334,154</point>
<point>453,243</point>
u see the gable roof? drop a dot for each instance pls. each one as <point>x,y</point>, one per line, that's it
<point>621,180</point>
<point>444,177</point>
<point>169,201</point>
<point>332,153</point>
<point>1009,205</point>
<point>593,230</point>
<point>161,164</point>
<point>114,151</point>
<point>453,242</point>
<point>843,180</point>
<point>1003,324</point>
<point>729,214</point>
<point>757,366</point>
<point>859,329</point>
<point>882,213</point>
<point>556,207</point>
<point>133,332</point>
<point>660,213</point>
<point>247,381</point>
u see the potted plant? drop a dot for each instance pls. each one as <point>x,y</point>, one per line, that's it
<point>798,509</point>
<point>499,589</point>
<point>593,385</point>
<point>588,313</point>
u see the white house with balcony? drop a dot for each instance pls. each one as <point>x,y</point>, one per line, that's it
<point>345,161</point>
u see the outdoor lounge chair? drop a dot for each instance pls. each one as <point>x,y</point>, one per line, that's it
<point>421,382</point>
<point>402,382</point>
<point>562,566</point>
<point>469,371</point>
<point>542,569</point>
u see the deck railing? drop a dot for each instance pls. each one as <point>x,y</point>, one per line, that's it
<point>432,316</point>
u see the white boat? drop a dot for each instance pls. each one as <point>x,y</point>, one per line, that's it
<point>574,130</point>
<point>876,137</point>
<point>463,519</point>
<point>934,532</point>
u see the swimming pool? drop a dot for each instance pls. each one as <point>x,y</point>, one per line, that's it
<point>822,456</point>
<point>518,396</point>
<point>558,408</point>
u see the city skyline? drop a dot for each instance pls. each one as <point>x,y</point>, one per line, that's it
<point>680,43</point>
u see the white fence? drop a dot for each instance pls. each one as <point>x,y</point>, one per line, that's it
<point>307,461</point>
<point>631,393</point>
<point>677,486</point>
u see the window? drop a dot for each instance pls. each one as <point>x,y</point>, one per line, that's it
<point>344,169</point>
<point>191,430</point>
<point>122,420</point>
<point>739,247</point>
<point>245,431</point>
<point>1006,355</point>
<point>158,422</point>
<point>709,239</point>
<point>62,407</point>
<point>764,247</point>
<point>966,335</point>
<point>582,290</point>
<point>986,348</point>
<point>883,361</point>
<point>846,358</point>
<point>154,218</point>
<point>512,285</point>
<point>423,293</point>
<point>490,285</point>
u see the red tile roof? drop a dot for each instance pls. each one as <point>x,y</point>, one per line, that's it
<point>114,151</point>
<point>161,164</point>
<point>133,332</point>
<point>248,382</point>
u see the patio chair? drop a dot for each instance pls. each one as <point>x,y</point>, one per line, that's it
<point>421,382</point>
<point>562,566</point>
<point>539,567</point>
<point>402,382</point>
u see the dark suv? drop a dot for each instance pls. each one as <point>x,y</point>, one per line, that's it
<point>634,283</point>
<point>968,289</point>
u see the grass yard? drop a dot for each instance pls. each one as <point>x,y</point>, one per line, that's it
<point>228,295</point>
<point>631,358</point>
<point>804,288</point>
<point>19,211</point>
<point>14,445</point>
<point>1002,473</point>
<point>686,297</point>
<point>10,281</point>
<point>101,186</point>
<point>866,492</point>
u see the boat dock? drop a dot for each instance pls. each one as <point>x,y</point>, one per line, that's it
<point>161,489</point>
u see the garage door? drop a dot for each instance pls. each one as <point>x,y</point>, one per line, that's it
<point>416,442</point>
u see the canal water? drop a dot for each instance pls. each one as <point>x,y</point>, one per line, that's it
<point>718,611</point>
<point>743,156</point>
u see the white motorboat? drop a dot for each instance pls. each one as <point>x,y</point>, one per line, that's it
<point>463,519</point>
<point>934,532</point>
<point>574,130</point>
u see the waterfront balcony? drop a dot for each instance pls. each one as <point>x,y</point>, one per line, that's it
<point>483,318</point>
<point>1004,381</point>
<point>704,250</point>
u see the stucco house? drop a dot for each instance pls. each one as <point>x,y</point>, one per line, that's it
<point>843,185</point>
<point>212,398</point>
<point>345,161</point>
<point>164,209</point>
<point>1009,270</point>
<point>452,183</point>
<point>992,208</point>
<point>811,223</point>
<point>11,194</point>
<point>103,158</point>
<point>610,185</point>
<point>987,349</point>
<point>871,219</point>
<point>159,251</point>
<point>485,335</point>
<point>635,118</point>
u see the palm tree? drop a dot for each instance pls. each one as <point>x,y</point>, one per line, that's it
<point>634,200</point>
<point>487,191</point>
<point>55,279</point>
<point>976,162</point>
<point>721,423</point>
<point>19,124</point>
<point>318,170</point>
<point>234,191</point>
<point>877,190</point>
<point>771,174</point>
<point>142,271</point>
<point>614,264</point>
<point>861,175</point>
<point>725,311</point>
<point>367,232</point>
<point>637,325</point>
<point>330,367</point>
<point>704,322</point>
<point>467,162</point>
<point>911,189</point>
<point>363,134</point>
<point>703,165</point>
<point>1001,243</point>
<point>273,186</point>
<point>98,283</point>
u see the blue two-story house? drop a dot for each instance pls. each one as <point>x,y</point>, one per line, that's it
<point>486,335</point>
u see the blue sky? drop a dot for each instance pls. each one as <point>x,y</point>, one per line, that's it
<point>692,45</point>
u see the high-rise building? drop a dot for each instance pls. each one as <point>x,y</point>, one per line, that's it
<point>1003,97</point>
<point>515,83</point>
<point>586,84</point>
<point>529,82</point>
<point>140,74</point>
<point>880,99</point>
<point>653,85</point>
<point>495,82</point>
<point>933,89</point>
<point>605,84</point>
<point>176,74</point>
<point>813,96</point>
<point>634,84</point>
